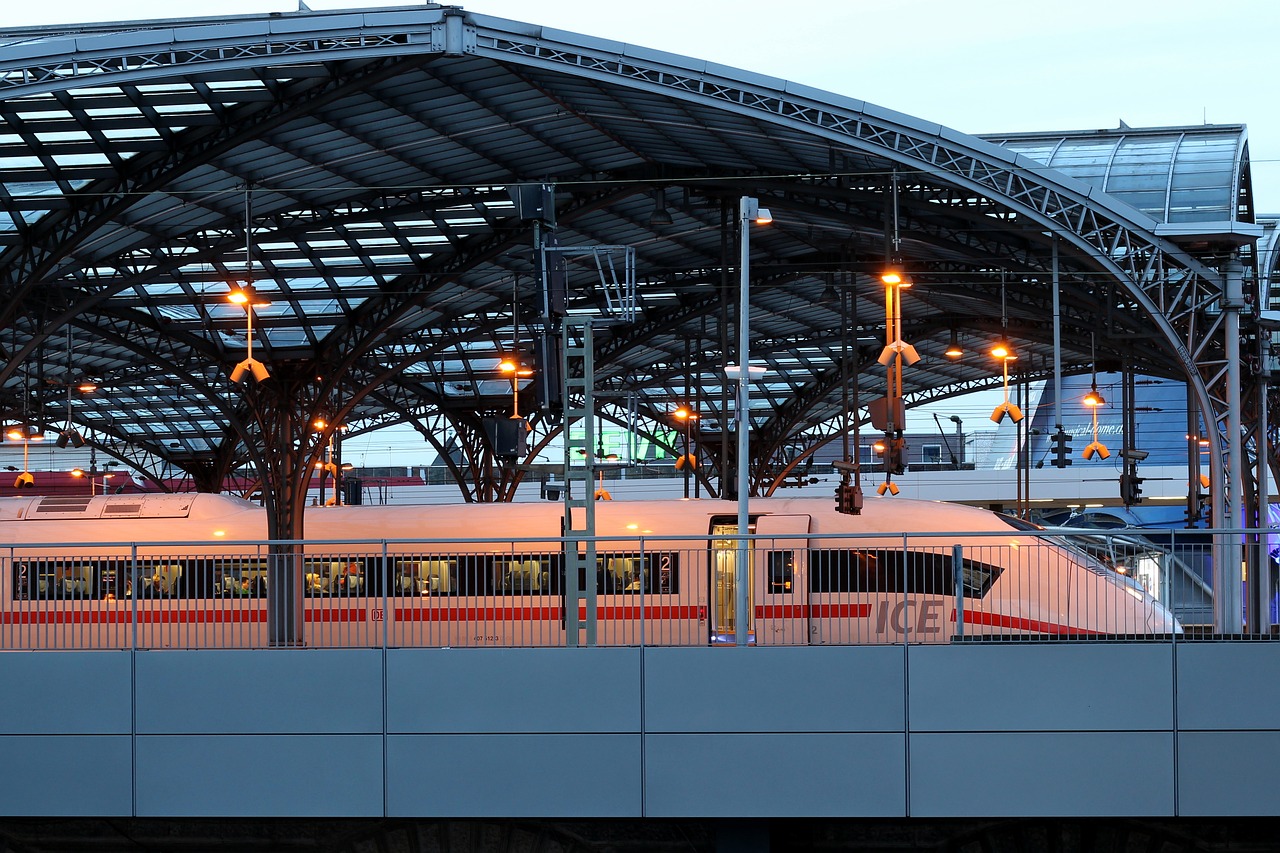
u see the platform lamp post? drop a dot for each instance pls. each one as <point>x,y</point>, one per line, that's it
<point>749,213</point>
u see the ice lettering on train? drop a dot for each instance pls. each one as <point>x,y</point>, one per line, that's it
<point>928,616</point>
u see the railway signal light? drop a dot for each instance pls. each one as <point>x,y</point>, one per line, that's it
<point>1131,487</point>
<point>1061,449</point>
<point>848,499</point>
<point>895,459</point>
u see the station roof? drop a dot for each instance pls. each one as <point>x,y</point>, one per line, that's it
<point>357,169</point>
<point>1172,174</point>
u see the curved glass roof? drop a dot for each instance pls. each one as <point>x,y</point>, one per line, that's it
<point>1181,174</point>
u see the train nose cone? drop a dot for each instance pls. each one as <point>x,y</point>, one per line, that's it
<point>1160,620</point>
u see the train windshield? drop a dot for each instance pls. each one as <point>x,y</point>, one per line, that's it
<point>1083,555</point>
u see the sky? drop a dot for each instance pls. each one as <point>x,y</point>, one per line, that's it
<point>982,66</point>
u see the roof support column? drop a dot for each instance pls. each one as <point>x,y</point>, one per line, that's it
<point>1227,580</point>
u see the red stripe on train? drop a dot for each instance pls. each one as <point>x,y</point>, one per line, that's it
<point>814,611</point>
<point>1019,623</point>
<point>125,617</point>
<point>535,614</point>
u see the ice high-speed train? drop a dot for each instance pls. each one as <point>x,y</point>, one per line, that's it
<point>191,571</point>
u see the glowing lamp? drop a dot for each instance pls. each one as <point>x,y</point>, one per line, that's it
<point>246,294</point>
<point>1003,350</point>
<point>953,350</point>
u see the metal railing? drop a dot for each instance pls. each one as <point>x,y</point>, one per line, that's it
<point>1027,586</point>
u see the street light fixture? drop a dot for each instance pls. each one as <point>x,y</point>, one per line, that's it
<point>247,296</point>
<point>329,463</point>
<point>689,461</point>
<point>1003,350</point>
<point>749,212</point>
<point>1094,401</point>
<point>93,483</point>
<point>25,434</point>
<point>517,370</point>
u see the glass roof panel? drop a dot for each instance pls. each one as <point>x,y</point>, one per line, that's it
<point>1203,178</point>
<point>20,189</point>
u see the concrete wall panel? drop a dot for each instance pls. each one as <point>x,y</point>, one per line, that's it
<point>1042,774</point>
<point>1228,773</point>
<point>514,775</point>
<point>775,775</point>
<point>47,776</point>
<point>1049,687</point>
<point>1219,686</point>
<point>775,689</point>
<point>65,693</point>
<point>275,691</point>
<point>259,776</point>
<point>513,690</point>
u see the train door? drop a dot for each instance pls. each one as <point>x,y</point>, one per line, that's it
<point>723,569</point>
<point>780,584</point>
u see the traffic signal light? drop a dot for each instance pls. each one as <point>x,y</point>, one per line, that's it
<point>1061,449</point>
<point>895,455</point>
<point>1131,487</point>
<point>848,499</point>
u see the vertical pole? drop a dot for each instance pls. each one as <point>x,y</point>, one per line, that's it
<point>743,414</point>
<point>1193,458</point>
<point>689,406</point>
<point>698,407</point>
<point>725,492</point>
<point>957,572</point>
<point>1227,580</point>
<point>1262,561</point>
<point>1057,344</point>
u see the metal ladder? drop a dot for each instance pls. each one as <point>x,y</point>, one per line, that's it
<point>578,370</point>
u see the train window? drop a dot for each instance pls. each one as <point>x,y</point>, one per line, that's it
<point>633,573</point>
<point>233,577</point>
<point>159,580</point>
<point>896,571</point>
<point>1017,523</point>
<point>781,570</point>
<point>525,575</point>
<point>434,576</point>
<point>348,576</point>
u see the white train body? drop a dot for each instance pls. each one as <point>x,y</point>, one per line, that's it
<point>190,570</point>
